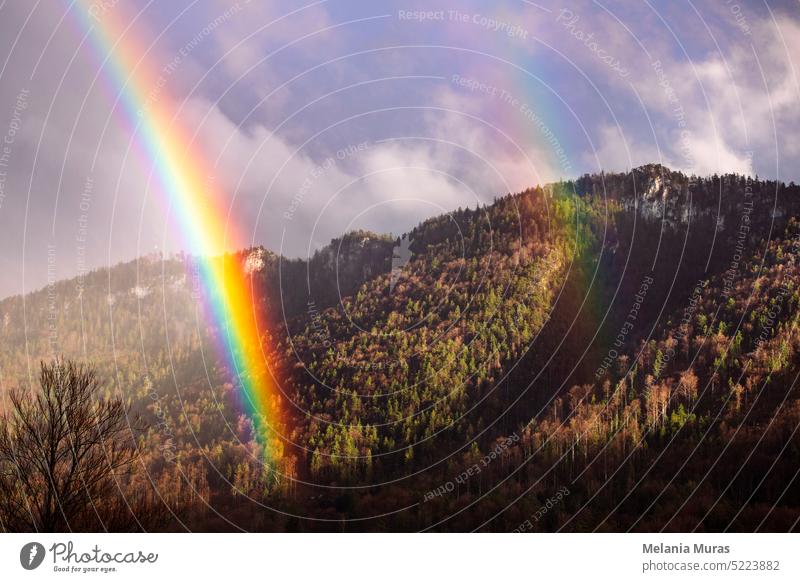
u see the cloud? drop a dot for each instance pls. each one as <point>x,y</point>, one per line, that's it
<point>287,196</point>
<point>422,137</point>
<point>710,109</point>
<point>620,151</point>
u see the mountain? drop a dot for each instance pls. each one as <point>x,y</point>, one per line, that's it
<point>613,352</point>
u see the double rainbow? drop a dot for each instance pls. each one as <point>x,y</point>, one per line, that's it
<point>199,211</point>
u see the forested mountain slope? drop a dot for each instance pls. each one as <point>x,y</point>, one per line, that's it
<point>625,343</point>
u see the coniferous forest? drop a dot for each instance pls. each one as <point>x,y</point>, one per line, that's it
<point>617,352</point>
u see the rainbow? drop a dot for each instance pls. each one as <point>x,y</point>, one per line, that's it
<point>199,211</point>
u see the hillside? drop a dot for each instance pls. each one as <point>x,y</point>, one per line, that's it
<point>619,349</point>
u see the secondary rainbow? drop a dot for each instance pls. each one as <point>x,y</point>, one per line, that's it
<point>200,213</point>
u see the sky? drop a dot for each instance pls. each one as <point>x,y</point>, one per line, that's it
<point>319,118</point>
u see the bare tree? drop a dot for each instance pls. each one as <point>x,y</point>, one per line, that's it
<point>65,455</point>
